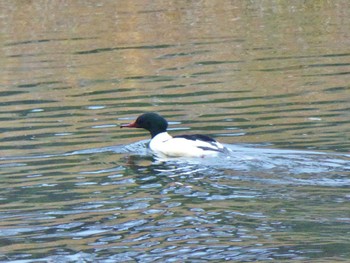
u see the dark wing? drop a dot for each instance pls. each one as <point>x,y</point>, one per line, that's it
<point>195,137</point>
<point>211,144</point>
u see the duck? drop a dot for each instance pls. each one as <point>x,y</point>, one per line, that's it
<point>165,145</point>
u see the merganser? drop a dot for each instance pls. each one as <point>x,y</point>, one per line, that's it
<point>163,144</point>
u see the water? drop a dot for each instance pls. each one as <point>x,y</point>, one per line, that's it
<point>270,80</point>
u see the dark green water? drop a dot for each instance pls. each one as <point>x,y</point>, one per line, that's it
<point>270,80</point>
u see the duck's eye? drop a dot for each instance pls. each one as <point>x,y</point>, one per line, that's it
<point>143,123</point>
<point>140,121</point>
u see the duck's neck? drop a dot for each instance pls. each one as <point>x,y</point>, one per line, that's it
<point>154,133</point>
<point>163,136</point>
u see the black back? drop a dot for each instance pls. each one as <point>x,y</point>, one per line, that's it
<point>195,137</point>
<point>204,138</point>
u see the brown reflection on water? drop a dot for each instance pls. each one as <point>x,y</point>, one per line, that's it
<point>66,27</point>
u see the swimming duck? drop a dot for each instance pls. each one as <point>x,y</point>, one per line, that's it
<point>162,143</point>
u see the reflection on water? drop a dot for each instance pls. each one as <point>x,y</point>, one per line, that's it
<point>268,79</point>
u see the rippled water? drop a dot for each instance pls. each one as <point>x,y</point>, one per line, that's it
<point>268,79</point>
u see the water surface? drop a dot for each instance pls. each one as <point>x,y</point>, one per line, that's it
<point>268,79</point>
